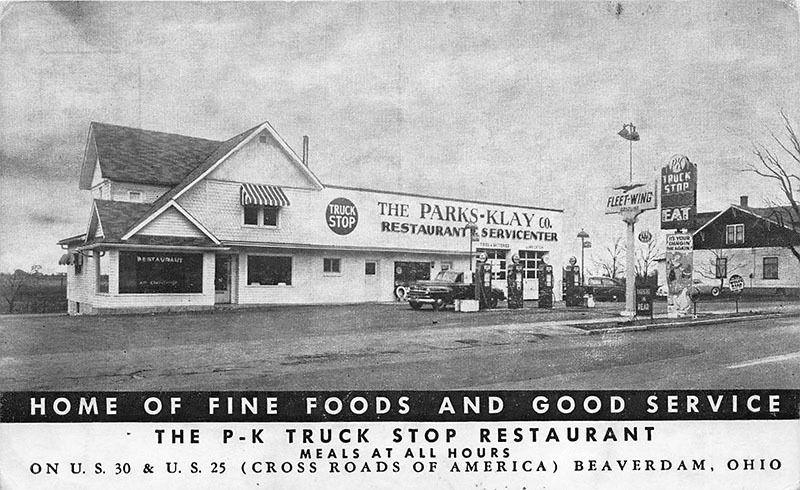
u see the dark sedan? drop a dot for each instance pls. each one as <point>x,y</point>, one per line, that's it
<point>606,288</point>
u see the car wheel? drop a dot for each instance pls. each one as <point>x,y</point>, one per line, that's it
<point>715,291</point>
<point>415,305</point>
<point>438,304</point>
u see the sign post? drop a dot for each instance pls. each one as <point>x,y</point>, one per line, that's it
<point>630,201</point>
<point>737,285</point>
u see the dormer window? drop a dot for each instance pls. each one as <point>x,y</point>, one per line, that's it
<point>261,216</point>
<point>135,196</point>
<point>262,204</point>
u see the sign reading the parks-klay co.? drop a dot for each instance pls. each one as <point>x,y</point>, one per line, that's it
<point>630,198</point>
<point>678,193</point>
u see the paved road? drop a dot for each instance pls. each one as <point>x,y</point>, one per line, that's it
<point>388,347</point>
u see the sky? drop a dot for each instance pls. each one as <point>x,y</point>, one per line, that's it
<point>515,102</point>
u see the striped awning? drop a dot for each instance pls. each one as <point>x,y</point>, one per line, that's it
<point>263,195</point>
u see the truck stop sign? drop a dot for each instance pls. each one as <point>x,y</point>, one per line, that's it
<point>678,193</point>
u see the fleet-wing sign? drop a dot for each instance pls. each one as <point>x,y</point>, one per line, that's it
<point>678,193</point>
<point>630,197</point>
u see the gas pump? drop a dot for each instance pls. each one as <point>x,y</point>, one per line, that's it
<point>483,281</point>
<point>545,285</point>
<point>515,280</point>
<point>571,284</point>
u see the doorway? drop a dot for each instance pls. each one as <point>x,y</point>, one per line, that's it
<point>223,272</point>
<point>372,281</point>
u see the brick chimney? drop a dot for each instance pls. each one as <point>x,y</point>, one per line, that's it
<point>743,201</point>
<point>305,151</point>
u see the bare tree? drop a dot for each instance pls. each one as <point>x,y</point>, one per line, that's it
<point>612,262</point>
<point>781,163</point>
<point>733,262</point>
<point>646,258</point>
<point>10,286</point>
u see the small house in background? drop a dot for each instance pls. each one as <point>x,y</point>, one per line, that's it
<point>753,243</point>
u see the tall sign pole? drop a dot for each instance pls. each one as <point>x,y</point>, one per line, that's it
<point>630,201</point>
<point>630,214</point>
<point>630,219</point>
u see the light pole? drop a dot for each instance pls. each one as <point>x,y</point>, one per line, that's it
<point>583,236</point>
<point>470,231</point>
<point>629,133</point>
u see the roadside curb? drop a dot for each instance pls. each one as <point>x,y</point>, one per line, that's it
<point>691,323</point>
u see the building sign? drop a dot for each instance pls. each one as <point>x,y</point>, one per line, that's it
<point>644,301</point>
<point>426,218</point>
<point>341,216</point>
<point>155,272</point>
<point>679,273</point>
<point>737,283</point>
<point>678,193</point>
<point>630,198</point>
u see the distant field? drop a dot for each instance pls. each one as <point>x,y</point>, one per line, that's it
<point>45,294</point>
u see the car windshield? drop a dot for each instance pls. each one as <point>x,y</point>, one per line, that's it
<point>448,276</point>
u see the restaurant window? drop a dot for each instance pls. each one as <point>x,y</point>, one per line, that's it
<point>102,272</point>
<point>251,215</point>
<point>261,215</point>
<point>332,266</point>
<point>77,261</point>
<point>266,270</point>
<point>721,268</point>
<point>370,268</point>
<point>270,215</point>
<point>734,234</point>
<point>160,272</point>
<point>770,267</point>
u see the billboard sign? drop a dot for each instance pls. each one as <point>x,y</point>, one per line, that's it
<point>630,198</point>
<point>679,273</point>
<point>678,193</point>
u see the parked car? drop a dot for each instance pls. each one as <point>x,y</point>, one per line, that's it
<point>445,289</point>
<point>606,288</point>
<point>705,289</point>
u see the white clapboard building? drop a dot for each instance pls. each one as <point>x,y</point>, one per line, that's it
<point>189,223</point>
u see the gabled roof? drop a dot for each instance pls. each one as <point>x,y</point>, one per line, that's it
<point>782,215</point>
<point>779,215</point>
<point>116,217</point>
<point>212,161</point>
<point>141,156</point>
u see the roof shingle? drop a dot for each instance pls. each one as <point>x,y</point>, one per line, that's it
<point>148,157</point>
